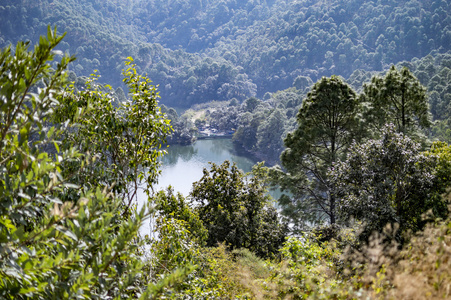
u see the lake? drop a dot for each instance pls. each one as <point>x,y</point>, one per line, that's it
<point>183,165</point>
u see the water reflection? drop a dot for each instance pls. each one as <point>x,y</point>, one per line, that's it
<point>218,147</point>
<point>176,152</point>
<point>183,165</point>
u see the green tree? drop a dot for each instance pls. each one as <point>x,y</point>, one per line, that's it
<point>441,153</point>
<point>170,205</point>
<point>251,104</point>
<point>270,134</point>
<point>237,211</point>
<point>126,139</point>
<point>302,82</point>
<point>53,246</point>
<point>246,134</point>
<point>173,249</point>
<point>397,98</point>
<point>327,124</point>
<point>388,181</point>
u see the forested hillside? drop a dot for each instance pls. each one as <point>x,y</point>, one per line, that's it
<point>261,124</point>
<point>202,50</point>
<point>351,98</point>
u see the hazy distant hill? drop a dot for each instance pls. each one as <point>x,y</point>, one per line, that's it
<point>202,50</point>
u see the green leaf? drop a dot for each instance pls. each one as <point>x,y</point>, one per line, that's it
<point>66,232</point>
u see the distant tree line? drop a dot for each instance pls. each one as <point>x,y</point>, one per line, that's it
<point>199,50</point>
<point>260,125</point>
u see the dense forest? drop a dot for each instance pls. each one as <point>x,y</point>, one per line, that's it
<point>202,50</point>
<point>261,124</point>
<point>347,101</point>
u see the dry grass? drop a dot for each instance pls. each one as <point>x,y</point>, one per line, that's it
<point>425,270</point>
<point>422,270</point>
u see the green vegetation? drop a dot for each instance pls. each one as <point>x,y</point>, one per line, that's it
<point>365,160</point>
<point>260,128</point>
<point>116,133</point>
<point>328,122</point>
<point>236,212</point>
<point>388,181</point>
<point>61,231</point>
<point>203,50</point>
<point>397,98</point>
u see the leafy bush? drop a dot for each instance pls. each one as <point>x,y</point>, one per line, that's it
<point>237,211</point>
<point>388,181</point>
<point>307,270</point>
<point>60,239</point>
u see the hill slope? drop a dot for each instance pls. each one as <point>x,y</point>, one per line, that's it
<point>203,50</point>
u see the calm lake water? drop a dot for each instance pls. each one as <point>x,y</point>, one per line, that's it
<point>183,165</point>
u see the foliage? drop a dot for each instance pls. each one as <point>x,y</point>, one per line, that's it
<point>174,206</point>
<point>307,270</point>
<point>221,276</point>
<point>441,131</point>
<point>224,49</point>
<point>327,124</point>
<point>387,181</point>
<point>397,98</point>
<point>254,133</point>
<point>53,246</point>
<point>433,72</point>
<point>248,125</point>
<point>173,248</point>
<point>270,133</point>
<point>199,51</point>
<point>236,211</point>
<point>423,271</point>
<point>419,271</point>
<point>442,153</point>
<point>261,125</point>
<point>184,130</point>
<point>117,133</point>
<point>71,158</point>
<point>216,272</point>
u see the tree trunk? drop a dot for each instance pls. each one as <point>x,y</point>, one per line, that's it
<point>332,209</point>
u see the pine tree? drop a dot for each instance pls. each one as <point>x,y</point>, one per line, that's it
<point>397,98</point>
<point>328,122</point>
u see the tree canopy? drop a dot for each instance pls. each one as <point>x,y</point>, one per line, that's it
<point>198,51</point>
<point>388,180</point>
<point>397,98</point>
<point>236,211</point>
<point>327,124</point>
<point>60,236</point>
<point>74,151</point>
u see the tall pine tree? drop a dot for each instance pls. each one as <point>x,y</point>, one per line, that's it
<point>328,122</point>
<point>397,98</point>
